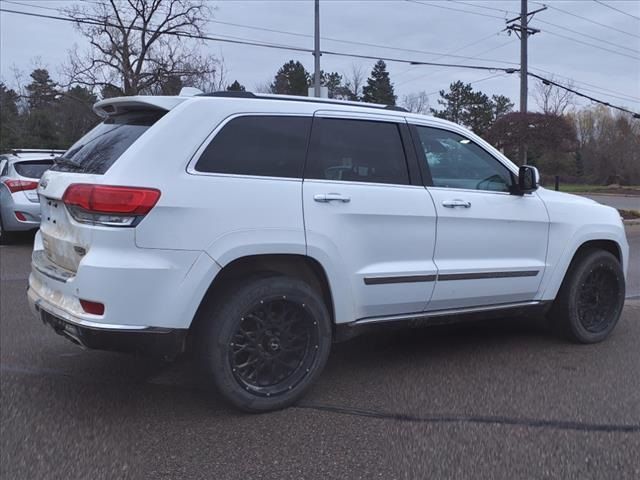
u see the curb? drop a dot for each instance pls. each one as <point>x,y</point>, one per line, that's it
<point>633,221</point>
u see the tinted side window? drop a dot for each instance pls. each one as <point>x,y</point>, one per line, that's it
<point>102,146</point>
<point>456,162</point>
<point>356,151</point>
<point>273,146</point>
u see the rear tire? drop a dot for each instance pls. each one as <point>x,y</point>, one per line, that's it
<point>591,298</point>
<point>6,237</point>
<point>265,342</point>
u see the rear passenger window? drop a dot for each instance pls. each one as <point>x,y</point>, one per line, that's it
<point>357,151</point>
<point>271,146</point>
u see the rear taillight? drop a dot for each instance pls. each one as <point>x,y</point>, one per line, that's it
<point>20,185</point>
<point>109,205</point>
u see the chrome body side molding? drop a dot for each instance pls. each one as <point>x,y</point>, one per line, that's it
<point>444,313</point>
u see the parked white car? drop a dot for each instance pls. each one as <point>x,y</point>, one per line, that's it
<point>258,229</point>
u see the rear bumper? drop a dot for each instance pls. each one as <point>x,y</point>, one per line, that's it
<point>31,211</point>
<point>154,341</point>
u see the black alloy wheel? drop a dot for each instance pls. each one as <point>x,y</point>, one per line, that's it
<point>591,298</point>
<point>597,299</point>
<point>274,346</point>
<point>265,340</point>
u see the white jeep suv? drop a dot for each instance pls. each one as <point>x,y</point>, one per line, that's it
<point>256,230</point>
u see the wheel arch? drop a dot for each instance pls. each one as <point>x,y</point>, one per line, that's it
<point>299,266</point>
<point>608,245</point>
<point>604,242</point>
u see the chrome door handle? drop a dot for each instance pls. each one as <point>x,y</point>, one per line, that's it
<point>331,197</point>
<point>456,203</point>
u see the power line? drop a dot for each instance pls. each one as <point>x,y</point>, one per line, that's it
<point>591,45</point>
<point>473,82</point>
<point>454,9</point>
<point>338,40</point>
<point>265,44</point>
<point>24,4</point>
<point>547,81</point>
<point>586,19</point>
<point>425,75</point>
<point>601,90</point>
<point>538,20</point>
<point>584,35</point>
<point>501,10</point>
<point>457,49</point>
<point>616,9</point>
<point>326,52</point>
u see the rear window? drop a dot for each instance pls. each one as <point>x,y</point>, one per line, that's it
<point>102,146</point>
<point>32,169</point>
<point>271,146</point>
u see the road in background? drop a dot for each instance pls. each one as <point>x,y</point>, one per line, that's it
<point>622,202</point>
<point>493,400</point>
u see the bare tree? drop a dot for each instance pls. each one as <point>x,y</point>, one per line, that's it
<point>139,46</point>
<point>213,81</point>
<point>264,87</point>
<point>551,99</point>
<point>353,83</point>
<point>416,102</point>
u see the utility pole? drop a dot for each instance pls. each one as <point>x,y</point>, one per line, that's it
<point>523,31</point>
<point>316,52</point>
<point>524,92</point>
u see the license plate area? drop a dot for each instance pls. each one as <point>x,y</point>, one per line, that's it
<point>59,235</point>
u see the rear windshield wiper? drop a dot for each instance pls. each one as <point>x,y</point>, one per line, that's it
<point>67,162</point>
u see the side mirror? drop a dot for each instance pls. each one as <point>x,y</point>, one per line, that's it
<point>528,179</point>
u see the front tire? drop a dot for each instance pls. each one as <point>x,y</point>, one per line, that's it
<point>265,342</point>
<point>591,298</point>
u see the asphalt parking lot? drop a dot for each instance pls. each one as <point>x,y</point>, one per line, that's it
<point>502,399</point>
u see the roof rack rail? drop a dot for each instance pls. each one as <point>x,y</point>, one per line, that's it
<point>293,98</point>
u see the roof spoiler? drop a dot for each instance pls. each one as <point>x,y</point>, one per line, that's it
<point>118,105</point>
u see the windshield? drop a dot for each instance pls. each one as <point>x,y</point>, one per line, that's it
<point>102,146</point>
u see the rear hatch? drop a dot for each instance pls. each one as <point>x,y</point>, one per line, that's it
<point>32,170</point>
<point>78,210</point>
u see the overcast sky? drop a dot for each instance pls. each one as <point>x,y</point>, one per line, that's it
<point>605,65</point>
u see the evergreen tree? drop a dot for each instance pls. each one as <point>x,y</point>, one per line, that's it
<point>333,82</point>
<point>292,79</point>
<point>41,126</point>
<point>501,106</point>
<point>10,126</point>
<point>236,86</point>
<point>42,90</point>
<point>455,102</point>
<point>379,88</point>
<point>473,109</point>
